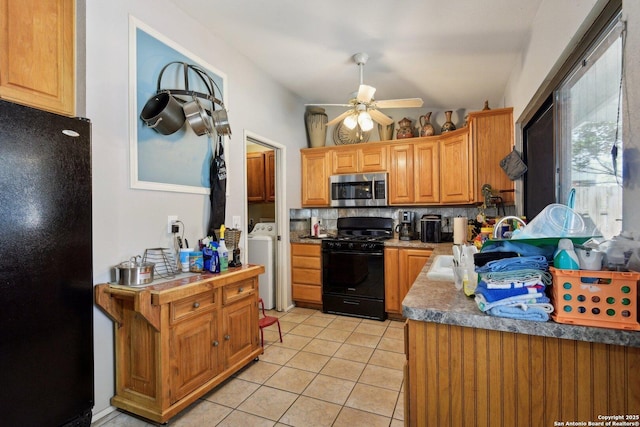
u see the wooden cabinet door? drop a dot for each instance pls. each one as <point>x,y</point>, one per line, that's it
<point>427,172</point>
<point>456,177</point>
<point>193,353</point>
<point>392,301</point>
<point>373,159</point>
<point>239,329</point>
<point>492,138</point>
<point>255,178</point>
<point>401,185</point>
<point>270,176</point>
<point>37,54</point>
<point>315,178</point>
<point>401,268</point>
<point>410,264</point>
<point>344,161</point>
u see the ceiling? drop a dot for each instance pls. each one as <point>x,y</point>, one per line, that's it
<point>453,54</point>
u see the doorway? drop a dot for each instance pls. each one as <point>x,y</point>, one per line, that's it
<point>265,203</point>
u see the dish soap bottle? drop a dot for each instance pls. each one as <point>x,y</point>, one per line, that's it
<point>565,257</point>
<point>223,252</point>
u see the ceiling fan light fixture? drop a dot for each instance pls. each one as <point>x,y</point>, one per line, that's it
<point>365,121</point>
<point>351,121</point>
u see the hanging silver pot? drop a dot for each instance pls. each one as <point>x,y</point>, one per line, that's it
<point>197,117</point>
<point>221,122</point>
<point>163,113</point>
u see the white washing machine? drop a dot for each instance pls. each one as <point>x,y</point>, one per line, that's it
<point>262,250</point>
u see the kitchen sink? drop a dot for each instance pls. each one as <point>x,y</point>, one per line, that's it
<point>441,268</point>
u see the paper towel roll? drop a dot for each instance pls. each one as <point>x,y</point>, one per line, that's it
<point>459,230</point>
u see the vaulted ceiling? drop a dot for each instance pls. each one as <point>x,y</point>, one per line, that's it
<point>453,54</point>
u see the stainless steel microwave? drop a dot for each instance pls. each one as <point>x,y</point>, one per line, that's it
<point>359,190</point>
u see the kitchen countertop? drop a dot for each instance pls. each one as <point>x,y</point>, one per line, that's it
<point>297,237</point>
<point>439,302</point>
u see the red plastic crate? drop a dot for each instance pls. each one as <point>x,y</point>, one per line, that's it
<point>605,299</point>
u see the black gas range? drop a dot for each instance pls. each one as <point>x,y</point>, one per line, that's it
<point>353,267</point>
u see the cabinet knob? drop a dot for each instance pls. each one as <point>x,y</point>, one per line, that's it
<point>240,290</point>
<point>215,343</point>
<point>227,337</point>
<point>196,304</point>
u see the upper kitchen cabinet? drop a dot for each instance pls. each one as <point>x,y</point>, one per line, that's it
<point>37,54</point>
<point>369,158</point>
<point>315,177</point>
<point>260,177</point>
<point>456,177</point>
<point>431,170</point>
<point>491,133</point>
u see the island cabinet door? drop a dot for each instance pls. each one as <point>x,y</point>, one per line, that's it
<point>193,352</point>
<point>239,329</point>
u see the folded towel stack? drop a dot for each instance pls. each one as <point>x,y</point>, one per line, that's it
<point>515,288</point>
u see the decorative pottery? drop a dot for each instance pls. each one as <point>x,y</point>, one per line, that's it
<point>315,121</point>
<point>405,130</point>
<point>426,128</point>
<point>486,106</point>
<point>448,125</point>
<point>342,135</point>
<point>385,132</point>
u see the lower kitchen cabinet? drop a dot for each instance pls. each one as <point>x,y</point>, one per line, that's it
<point>401,268</point>
<point>175,341</point>
<point>306,273</point>
<point>463,376</point>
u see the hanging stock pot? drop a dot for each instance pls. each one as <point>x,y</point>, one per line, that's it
<point>163,113</point>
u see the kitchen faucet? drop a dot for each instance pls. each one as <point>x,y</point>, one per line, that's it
<point>496,228</point>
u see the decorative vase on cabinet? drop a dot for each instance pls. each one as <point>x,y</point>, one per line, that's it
<point>405,130</point>
<point>448,124</point>
<point>315,121</point>
<point>385,132</point>
<point>426,128</point>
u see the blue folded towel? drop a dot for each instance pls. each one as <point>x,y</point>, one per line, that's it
<point>493,295</point>
<point>537,262</point>
<point>519,312</point>
<point>485,305</point>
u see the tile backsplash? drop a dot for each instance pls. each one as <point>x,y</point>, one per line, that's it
<point>299,218</point>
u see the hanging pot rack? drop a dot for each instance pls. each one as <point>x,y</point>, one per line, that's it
<point>219,117</point>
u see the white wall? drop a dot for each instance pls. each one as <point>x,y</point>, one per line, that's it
<point>127,221</point>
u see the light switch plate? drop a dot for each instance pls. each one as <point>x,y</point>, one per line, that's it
<point>236,222</point>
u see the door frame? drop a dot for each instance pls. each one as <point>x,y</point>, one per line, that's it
<point>281,214</point>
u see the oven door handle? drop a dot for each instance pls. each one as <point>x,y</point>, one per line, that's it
<point>334,252</point>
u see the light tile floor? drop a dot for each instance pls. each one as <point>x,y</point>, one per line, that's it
<point>328,371</point>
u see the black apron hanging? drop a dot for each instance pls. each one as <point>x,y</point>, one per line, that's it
<point>218,183</point>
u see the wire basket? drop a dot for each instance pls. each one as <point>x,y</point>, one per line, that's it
<point>231,237</point>
<point>164,260</point>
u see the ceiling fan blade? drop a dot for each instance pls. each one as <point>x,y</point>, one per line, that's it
<point>328,105</point>
<point>339,118</point>
<point>365,93</point>
<point>379,117</point>
<point>400,103</point>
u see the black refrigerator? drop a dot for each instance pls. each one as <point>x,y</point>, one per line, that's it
<point>46,286</point>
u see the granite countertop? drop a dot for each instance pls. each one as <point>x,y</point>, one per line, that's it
<point>298,237</point>
<point>440,302</point>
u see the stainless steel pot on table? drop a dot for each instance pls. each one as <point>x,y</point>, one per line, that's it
<point>134,273</point>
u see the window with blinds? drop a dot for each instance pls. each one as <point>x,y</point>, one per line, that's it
<point>589,142</point>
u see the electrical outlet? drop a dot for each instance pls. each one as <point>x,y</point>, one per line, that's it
<point>170,220</point>
<point>236,222</point>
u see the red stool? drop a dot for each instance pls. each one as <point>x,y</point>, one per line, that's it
<point>267,321</point>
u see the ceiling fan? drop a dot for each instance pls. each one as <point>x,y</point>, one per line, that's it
<point>363,108</point>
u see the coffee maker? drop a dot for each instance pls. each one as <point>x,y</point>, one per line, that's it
<point>407,226</point>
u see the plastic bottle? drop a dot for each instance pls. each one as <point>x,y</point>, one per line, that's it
<point>565,257</point>
<point>223,252</point>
